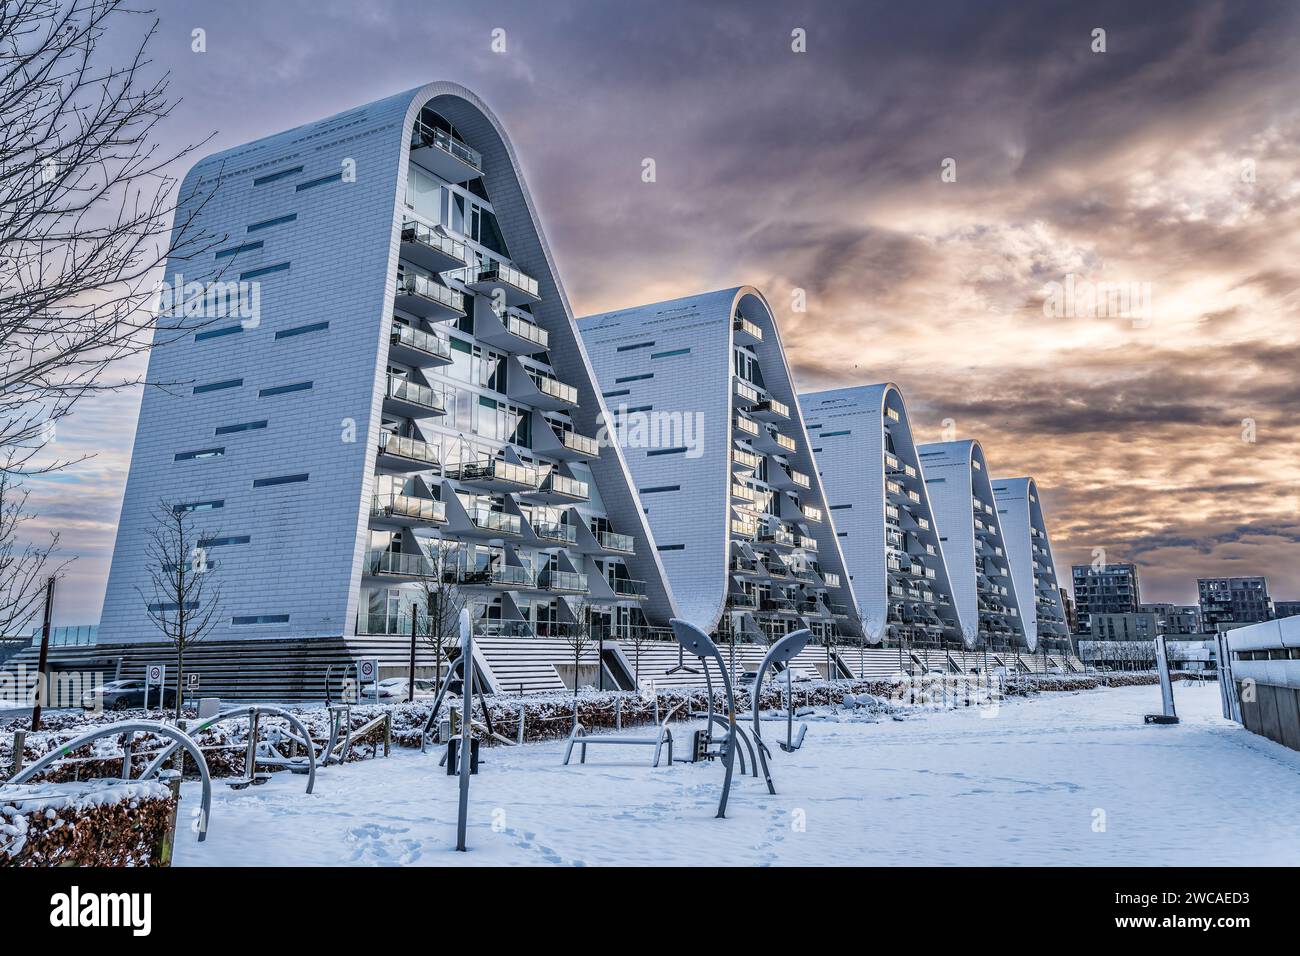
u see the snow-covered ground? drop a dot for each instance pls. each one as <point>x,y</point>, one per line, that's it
<point>1069,779</point>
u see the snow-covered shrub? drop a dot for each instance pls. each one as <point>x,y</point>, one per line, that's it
<point>94,823</point>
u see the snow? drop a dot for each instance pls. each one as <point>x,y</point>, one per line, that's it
<point>1058,779</point>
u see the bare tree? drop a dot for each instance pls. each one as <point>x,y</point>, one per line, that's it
<point>86,210</point>
<point>24,566</point>
<point>441,600</point>
<point>578,635</point>
<point>186,597</point>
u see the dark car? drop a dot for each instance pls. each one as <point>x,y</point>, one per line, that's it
<point>125,694</point>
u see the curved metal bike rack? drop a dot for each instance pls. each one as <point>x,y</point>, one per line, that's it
<point>250,711</point>
<point>180,738</point>
<point>782,652</point>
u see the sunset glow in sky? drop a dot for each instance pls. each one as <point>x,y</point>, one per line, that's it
<point>1172,161</point>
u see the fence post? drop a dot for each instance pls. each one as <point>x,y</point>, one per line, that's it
<point>250,757</point>
<point>618,713</point>
<point>388,732</point>
<point>522,709</point>
<point>20,741</point>
<point>167,842</point>
<point>128,746</point>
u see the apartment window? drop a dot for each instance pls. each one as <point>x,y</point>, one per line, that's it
<point>284,389</point>
<point>323,180</point>
<point>680,450</point>
<point>276,177</point>
<point>173,606</point>
<point>659,489</point>
<point>814,427</point>
<point>243,620</point>
<point>277,221</point>
<point>241,427</point>
<point>637,408</point>
<point>217,333</point>
<point>264,271</point>
<point>279,480</point>
<point>224,542</point>
<point>189,506</point>
<point>634,378</point>
<point>834,434</point>
<point>935,481</point>
<point>616,393</point>
<point>236,250</point>
<point>218,386</point>
<point>302,330</point>
<point>636,345</point>
<point>840,507</point>
<point>671,547</point>
<point>670,354</point>
<point>201,453</point>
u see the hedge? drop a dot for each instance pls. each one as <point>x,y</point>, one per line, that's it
<point>95,823</point>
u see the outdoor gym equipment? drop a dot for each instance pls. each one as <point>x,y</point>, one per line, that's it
<point>130,728</point>
<point>694,640</point>
<point>341,733</point>
<point>664,736</point>
<point>782,652</point>
<point>1169,715</point>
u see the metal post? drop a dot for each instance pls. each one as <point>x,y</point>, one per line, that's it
<point>128,746</point>
<point>618,713</point>
<point>522,710</point>
<point>467,690</point>
<point>250,758</point>
<point>410,687</point>
<point>20,742</point>
<point>39,697</point>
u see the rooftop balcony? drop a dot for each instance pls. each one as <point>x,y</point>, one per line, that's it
<point>416,347</point>
<point>511,332</point>
<point>399,453</point>
<point>494,474</point>
<point>443,155</point>
<point>411,399</point>
<point>570,582</point>
<point>746,332</point>
<point>556,487</point>
<point>406,511</point>
<point>770,410</point>
<point>518,287</point>
<point>431,249</point>
<point>422,296</point>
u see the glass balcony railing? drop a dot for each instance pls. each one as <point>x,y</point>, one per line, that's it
<point>414,393</point>
<point>785,441</point>
<point>628,587</point>
<point>563,581</point>
<point>412,283</point>
<point>411,449</point>
<point>806,542</point>
<point>489,520</point>
<point>409,506</point>
<point>423,135</point>
<point>500,272</point>
<point>404,565</point>
<point>549,385</point>
<point>746,459</point>
<point>613,541</point>
<point>831,578</point>
<point>529,331</point>
<point>778,536</point>
<point>493,471</point>
<point>556,483</point>
<point>748,392</point>
<point>556,531</point>
<point>746,425</point>
<point>749,328</point>
<point>418,232</point>
<point>573,441</point>
<point>414,338</point>
<point>773,406</point>
<point>799,478</point>
<point>811,512</point>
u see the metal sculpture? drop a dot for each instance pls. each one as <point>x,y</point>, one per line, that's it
<point>782,652</point>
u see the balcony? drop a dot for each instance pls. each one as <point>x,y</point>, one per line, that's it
<point>831,579</point>
<point>398,453</point>
<point>556,487</point>
<point>538,389</point>
<point>447,158</point>
<point>398,565</point>
<point>492,523</point>
<point>773,442</point>
<point>406,511</point>
<point>411,399</point>
<point>746,332</point>
<point>517,287</point>
<point>498,575</point>
<point>494,474</point>
<point>742,460</point>
<point>770,410</point>
<point>415,347</point>
<point>747,393</point>
<point>628,588</point>
<point>430,249</point>
<point>806,542</point>
<point>615,542</point>
<point>511,332</point>
<point>811,512</point>
<point>777,537</point>
<point>740,601</point>
<point>788,479</point>
<point>741,492</point>
<point>422,296</point>
<point>571,582</point>
<point>572,444</point>
<point>556,532</point>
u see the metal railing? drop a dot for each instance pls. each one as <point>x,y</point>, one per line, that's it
<point>564,485</point>
<point>412,283</point>
<point>413,231</point>
<point>423,135</point>
<point>407,391</point>
<point>490,520</point>
<point>414,338</point>
<point>614,541</point>
<point>549,385</point>
<point>409,506</point>
<point>563,581</point>
<point>413,449</point>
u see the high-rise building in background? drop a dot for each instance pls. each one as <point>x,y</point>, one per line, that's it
<point>1175,619</point>
<point>1104,589</point>
<point>412,400</point>
<point>1227,602</point>
<point>1286,609</point>
<point>864,449</point>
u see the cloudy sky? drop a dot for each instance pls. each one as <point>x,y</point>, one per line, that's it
<point>1167,164</point>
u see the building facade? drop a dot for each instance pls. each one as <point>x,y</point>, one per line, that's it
<point>410,407</point>
<point>1228,602</point>
<point>1104,589</point>
<point>1283,609</point>
<point>867,460</point>
<point>1175,619</point>
<point>973,543</point>
<point>1029,549</point>
<point>702,401</point>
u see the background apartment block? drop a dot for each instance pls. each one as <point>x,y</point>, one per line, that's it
<point>1228,602</point>
<point>1108,589</point>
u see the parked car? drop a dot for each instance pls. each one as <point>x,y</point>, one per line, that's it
<point>395,688</point>
<point>125,694</point>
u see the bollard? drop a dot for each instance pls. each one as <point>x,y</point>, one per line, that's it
<point>522,710</point>
<point>618,713</point>
<point>388,733</point>
<point>164,847</point>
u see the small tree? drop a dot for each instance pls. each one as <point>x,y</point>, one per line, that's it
<point>185,597</point>
<point>578,635</point>
<point>441,600</point>
<point>637,637</point>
